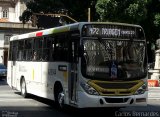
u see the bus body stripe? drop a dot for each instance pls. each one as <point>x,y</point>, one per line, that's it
<point>59,30</point>
<point>38,34</point>
<point>33,74</point>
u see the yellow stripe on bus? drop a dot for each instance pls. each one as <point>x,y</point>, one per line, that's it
<point>114,91</point>
<point>65,75</point>
<point>33,74</point>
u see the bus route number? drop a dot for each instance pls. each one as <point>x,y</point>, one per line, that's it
<point>94,31</point>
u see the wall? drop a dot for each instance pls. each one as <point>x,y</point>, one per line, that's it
<point>19,8</point>
<point>11,14</point>
<point>1,47</point>
<point>0,12</point>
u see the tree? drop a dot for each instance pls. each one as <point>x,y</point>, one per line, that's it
<point>75,8</point>
<point>40,6</point>
<point>152,22</point>
<point>79,9</point>
<point>143,12</point>
<point>128,11</point>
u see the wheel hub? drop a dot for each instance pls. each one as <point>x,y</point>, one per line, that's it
<point>61,99</point>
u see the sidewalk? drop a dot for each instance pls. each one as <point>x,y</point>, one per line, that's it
<point>154,88</point>
<point>154,93</point>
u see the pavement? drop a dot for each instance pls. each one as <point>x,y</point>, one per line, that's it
<point>154,93</point>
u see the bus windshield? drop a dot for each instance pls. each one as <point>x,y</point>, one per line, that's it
<point>126,56</point>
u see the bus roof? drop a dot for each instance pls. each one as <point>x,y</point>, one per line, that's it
<point>66,28</point>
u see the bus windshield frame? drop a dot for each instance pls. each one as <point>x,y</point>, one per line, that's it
<point>126,52</point>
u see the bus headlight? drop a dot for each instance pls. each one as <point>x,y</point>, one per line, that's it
<point>141,90</point>
<point>90,90</point>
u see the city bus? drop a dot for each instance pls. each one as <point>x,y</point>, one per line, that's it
<point>83,65</point>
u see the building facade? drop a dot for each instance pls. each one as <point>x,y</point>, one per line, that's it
<point>10,11</point>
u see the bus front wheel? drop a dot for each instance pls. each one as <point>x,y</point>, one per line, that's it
<point>59,97</point>
<point>23,88</point>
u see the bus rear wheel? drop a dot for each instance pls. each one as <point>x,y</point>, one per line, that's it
<point>23,88</point>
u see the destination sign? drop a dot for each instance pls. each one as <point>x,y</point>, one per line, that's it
<point>110,31</point>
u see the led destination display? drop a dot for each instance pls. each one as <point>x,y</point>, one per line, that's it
<point>111,31</point>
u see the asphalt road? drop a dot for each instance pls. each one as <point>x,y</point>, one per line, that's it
<point>13,105</point>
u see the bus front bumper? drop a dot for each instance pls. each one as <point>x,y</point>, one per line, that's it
<point>86,101</point>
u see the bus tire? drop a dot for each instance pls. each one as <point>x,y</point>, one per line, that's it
<point>23,88</point>
<point>59,97</point>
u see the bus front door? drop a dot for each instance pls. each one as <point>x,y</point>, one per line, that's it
<point>73,78</point>
<point>13,74</point>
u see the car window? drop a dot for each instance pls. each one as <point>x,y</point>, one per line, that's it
<point>2,67</point>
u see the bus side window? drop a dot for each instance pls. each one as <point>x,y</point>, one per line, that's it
<point>10,50</point>
<point>28,49</point>
<point>20,50</point>
<point>37,49</point>
<point>48,49</point>
<point>61,48</point>
<point>51,49</point>
<point>14,51</point>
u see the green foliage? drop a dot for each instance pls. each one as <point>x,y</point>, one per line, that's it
<point>25,16</point>
<point>157,19</point>
<point>151,24</point>
<point>77,9</point>
<point>137,11</point>
<point>45,6</point>
<point>41,6</point>
<point>106,9</point>
<point>128,11</point>
<point>143,12</point>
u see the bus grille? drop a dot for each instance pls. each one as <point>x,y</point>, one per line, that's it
<point>110,88</point>
<point>116,100</point>
<point>116,85</point>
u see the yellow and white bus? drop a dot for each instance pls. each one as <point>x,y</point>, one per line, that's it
<point>85,64</point>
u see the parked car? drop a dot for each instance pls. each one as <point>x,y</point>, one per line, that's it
<point>3,71</point>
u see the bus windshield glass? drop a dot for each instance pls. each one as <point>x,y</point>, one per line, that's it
<point>113,59</point>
